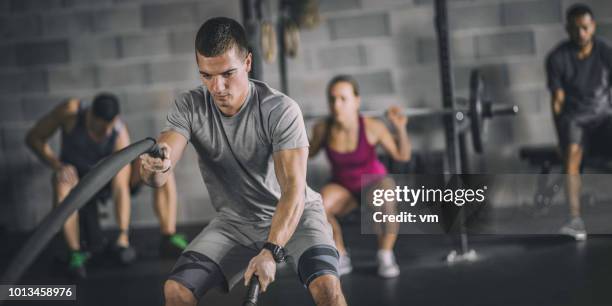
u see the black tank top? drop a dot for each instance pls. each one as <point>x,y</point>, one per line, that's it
<point>79,150</point>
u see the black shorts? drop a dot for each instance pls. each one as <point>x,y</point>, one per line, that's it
<point>106,192</point>
<point>590,131</point>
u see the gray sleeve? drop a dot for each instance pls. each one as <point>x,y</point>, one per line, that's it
<point>179,117</point>
<point>287,127</point>
<point>553,73</point>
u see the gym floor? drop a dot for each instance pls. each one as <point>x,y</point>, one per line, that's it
<point>519,270</point>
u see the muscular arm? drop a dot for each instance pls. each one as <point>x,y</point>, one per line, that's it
<point>39,134</point>
<point>557,100</point>
<point>151,169</point>
<point>318,137</point>
<point>399,150</point>
<point>554,71</point>
<point>121,181</point>
<point>290,168</point>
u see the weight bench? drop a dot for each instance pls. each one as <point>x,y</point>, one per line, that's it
<point>548,156</point>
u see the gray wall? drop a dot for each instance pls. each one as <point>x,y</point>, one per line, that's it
<point>142,50</point>
<point>390,46</point>
<point>54,49</point>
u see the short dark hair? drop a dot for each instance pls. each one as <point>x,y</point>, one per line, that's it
<point>339,79</point>
<point>105,106</point>
<point>219,35</point>
<point>577,10</point>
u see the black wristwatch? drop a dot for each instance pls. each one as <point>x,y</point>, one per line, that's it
<point>278,252</point>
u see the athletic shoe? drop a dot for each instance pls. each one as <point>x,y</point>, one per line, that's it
<point>171,246</point>
<point>387,266</point>
<point>76,264</point>
<point>344,265</point>
<point>575,228</point>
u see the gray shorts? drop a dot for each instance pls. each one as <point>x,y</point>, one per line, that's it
<point>589,131</point>
<point>232,244</point>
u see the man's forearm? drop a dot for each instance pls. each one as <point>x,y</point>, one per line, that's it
<point>44,152</point>
<point>557,101</point>
<point>154,179</point>
<point>555,105</point>
<point>287,217</point>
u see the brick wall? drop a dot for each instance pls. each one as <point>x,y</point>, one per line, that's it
<point>390,46</point>
<point>142,50</point>
<point>54,49</point>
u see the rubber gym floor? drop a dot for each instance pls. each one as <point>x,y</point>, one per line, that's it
<point>511,270</point>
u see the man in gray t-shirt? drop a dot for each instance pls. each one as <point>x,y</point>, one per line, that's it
<point>252,148</point>
<point>579,78</point>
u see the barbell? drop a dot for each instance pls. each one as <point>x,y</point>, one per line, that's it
<point>479,109</point>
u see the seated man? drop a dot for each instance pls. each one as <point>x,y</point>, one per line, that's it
<point>89,134</point>
<point>579,77</point>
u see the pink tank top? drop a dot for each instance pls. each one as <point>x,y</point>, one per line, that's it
<point>348,168</point>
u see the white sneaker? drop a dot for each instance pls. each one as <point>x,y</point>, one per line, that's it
<point>387,267</point>
<point>344,265</point>
<point>575,228</point>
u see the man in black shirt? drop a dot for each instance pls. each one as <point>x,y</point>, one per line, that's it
<point>579,79</point>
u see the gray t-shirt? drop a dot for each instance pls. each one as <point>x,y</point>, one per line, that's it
<point>586,82</point>
<point>235,153</point>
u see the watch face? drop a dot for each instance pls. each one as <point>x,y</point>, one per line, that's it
<point>277,252</point>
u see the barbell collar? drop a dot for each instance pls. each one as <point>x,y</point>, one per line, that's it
<point>506,110</point>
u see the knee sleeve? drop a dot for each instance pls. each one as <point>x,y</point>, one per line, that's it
<point>316,261</point>
<point>198,273</point>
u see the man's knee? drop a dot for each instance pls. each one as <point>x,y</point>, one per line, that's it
<point>573,159</point>
<point>326,290</point>
<point>177,294</point>
<point>61,189</point>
